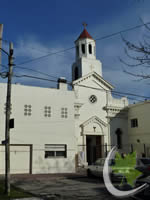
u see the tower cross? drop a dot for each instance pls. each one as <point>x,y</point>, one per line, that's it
<point>84,24</point>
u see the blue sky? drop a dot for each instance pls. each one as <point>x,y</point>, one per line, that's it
<point>39,27</point>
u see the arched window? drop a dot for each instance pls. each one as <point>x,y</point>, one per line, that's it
<point>76,73</point>
<point>90,49</point>
<point>83,48</point>
<point>119,138</point>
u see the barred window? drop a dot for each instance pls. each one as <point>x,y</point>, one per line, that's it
<point>27,110</point>
<point>64,112</point>
<point>55,150</point>
<point>47,111</point>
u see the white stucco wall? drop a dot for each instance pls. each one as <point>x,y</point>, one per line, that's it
<point>142,132</point>
<point>85,66</point>
<point>89,109</point>
<point>86,42</point>
<point>86,62</point>
<point>139,136</point>
<point>40,130</point>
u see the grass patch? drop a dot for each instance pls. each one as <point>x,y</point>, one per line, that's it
<point>14,193</point>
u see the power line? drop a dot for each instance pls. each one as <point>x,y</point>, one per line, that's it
<point>100,38</point>
<point>123,31</point>
<point>115,92</point>
<point>89,87</point>
<point>37,71</point>
<point>17,66</point>
<point>34,77</point>
<point>134,99</point>
<point>50,54</point>
<point>4,66</point>
<point>33,48</point>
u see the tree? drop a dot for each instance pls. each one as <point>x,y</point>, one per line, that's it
<point>139,56</point>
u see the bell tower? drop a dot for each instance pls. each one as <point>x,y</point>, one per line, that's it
<point>85,56</point>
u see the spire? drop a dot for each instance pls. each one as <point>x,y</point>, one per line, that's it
<point>84,34</point>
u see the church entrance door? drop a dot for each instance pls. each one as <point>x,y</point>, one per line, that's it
<point>94,147</point>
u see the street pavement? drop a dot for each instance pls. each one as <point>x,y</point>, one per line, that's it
<point>71,187</point>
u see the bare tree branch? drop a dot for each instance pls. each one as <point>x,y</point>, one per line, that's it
<point>139,55</point>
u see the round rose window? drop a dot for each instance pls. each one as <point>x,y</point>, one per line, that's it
<point>93,98</point>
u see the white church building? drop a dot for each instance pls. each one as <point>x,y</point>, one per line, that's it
<point>57,129</point>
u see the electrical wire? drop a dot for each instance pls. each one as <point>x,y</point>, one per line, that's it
<point>33,48</point>
<point>133,99</point>
<point>24,68</point>
<point>33,70</point>
<point>115,92</point>
<point>89,87</point>
<point>34,77</point>
<point>17,66</point>
<point>50,54</point>
<point>100,38</point>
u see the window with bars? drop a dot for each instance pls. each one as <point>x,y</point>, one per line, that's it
<point>64,112</point>
<point>47,111</point>
<point>55,150</point>
<point>27,110</point>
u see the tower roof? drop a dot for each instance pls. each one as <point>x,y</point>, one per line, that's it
<point>84,34</point>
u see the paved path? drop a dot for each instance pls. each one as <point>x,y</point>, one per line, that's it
<point>64,187</point>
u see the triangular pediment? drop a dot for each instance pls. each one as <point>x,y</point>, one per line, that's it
<point>97,77</point>
<point>93,119</point>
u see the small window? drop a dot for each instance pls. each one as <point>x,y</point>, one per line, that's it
<point>55,150</point>
<point>64,112</point>
<point>83,48</point>
<point>27,110</point>
<point>47,111</point>
<point>90,49</point>
<point>134,123</point>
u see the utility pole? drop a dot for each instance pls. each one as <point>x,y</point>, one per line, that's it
<point>7,128</point>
